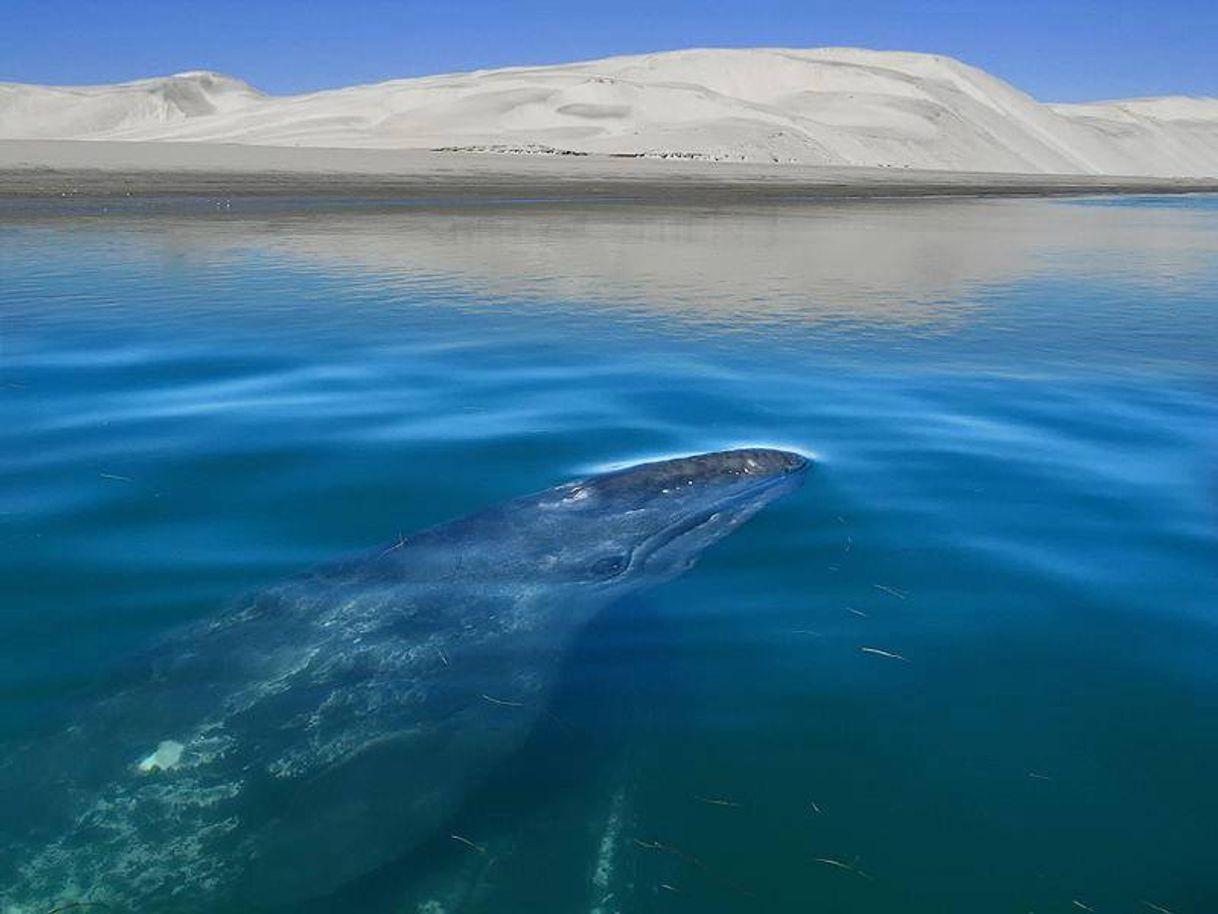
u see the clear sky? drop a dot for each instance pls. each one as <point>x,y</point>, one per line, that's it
<point>1058,50</point>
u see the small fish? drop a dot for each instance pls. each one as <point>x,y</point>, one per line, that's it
<point>468,843</point>
<point>717,801</point>
<point>838,864</point>
<point>500,701</point>
<point>880,653</point>
<point>401,541</point>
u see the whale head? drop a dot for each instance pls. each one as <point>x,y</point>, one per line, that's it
<point>648,523</point>
<point>597,539</point>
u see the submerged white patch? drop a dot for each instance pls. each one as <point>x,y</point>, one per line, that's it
<point>166,756</point>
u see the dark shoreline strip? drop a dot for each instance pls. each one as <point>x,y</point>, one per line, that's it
<point>506,188</point>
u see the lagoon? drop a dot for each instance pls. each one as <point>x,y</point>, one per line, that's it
<point>969,666</point>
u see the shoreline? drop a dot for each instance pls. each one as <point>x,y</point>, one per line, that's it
<point>104,170</point>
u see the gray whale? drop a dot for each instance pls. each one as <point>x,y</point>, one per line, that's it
<point>327,725</point>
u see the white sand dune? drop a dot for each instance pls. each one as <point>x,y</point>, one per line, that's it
<point>828,106</point>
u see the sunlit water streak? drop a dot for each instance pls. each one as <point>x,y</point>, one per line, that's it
<point>1013,405</point>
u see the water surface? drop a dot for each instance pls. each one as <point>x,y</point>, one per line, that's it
<point>1014,409</point>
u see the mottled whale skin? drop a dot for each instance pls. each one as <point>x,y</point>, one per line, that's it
<point>324,726</point>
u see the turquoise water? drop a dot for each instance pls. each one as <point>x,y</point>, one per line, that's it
<point>1014,409</point>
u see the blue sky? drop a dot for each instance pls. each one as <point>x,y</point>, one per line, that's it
<point>1059,50</point>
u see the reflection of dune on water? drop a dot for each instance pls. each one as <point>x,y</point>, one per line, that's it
<point>923,265</point>
<point>849,263</point>
<point>889,262</point>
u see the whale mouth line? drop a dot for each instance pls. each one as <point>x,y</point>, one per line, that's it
<point>695,521</point>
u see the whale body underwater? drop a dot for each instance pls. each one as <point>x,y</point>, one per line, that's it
<point>258,758</point>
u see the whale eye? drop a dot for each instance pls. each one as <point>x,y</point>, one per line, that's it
<point>609,566</point>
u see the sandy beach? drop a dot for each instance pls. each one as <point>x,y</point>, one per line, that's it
<point>111,169</point>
